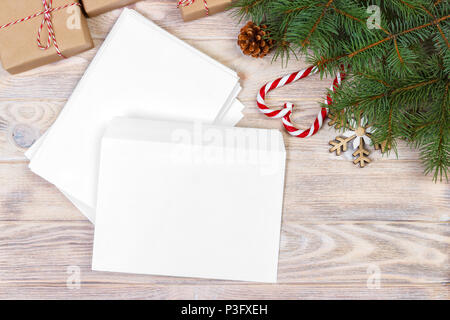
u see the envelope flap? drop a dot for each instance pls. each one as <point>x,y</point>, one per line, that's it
<point>195,134</point>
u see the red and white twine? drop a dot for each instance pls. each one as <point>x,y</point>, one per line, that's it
<point>286,111</point>
<point>48,9</point>
<point>187,3</point>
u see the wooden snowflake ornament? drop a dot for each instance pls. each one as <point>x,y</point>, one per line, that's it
<point>359,134</point>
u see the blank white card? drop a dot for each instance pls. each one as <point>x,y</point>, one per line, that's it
<point>139,71</point>
<point>191,200</point>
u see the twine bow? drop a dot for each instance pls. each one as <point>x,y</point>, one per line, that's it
<point>47,12</point>
<point>187,3</point>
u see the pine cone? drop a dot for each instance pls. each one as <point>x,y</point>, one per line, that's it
<point>254,40</point>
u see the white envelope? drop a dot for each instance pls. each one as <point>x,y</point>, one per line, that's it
<point>130,77</point>
<point>231,118</point>
<point>191,200</point>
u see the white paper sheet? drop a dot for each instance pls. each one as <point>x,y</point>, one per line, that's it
<point>184,199</point>
<point>129,77</point>
<point>233,116</point>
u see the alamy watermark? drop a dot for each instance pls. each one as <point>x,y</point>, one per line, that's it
<point>374,278</point>
<point>74,19</point>
<point>74,279</point>
<point>207,145</point>
<point>374,21</point>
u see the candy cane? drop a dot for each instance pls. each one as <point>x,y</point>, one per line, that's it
<point>286,111</point>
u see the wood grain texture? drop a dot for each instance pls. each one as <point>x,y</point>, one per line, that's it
<point>340,223</point>
<point>404,253</point>
<point>50,290</point>
<point>316,190</point>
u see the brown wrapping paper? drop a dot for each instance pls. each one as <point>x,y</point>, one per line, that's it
<point>197,9</point>
<point>18,48</point>
<point>95,7</point>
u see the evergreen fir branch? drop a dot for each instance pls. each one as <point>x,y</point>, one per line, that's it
<point>314,27</point>
<point>395,36</point>
<point>438,27</point>
<point>399,71</point>
<point>431,135</point>
<point>255,8</point>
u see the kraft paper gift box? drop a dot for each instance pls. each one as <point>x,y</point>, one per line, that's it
<point>128,77</point>
<point>95,7</point>
<point>196,9</point>
<point>19,51</point>
<point>191,200</point>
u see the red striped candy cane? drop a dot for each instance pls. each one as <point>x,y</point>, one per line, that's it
<point>286,111</point>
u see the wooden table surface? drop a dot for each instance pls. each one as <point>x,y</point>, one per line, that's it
<point>378,232</point>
